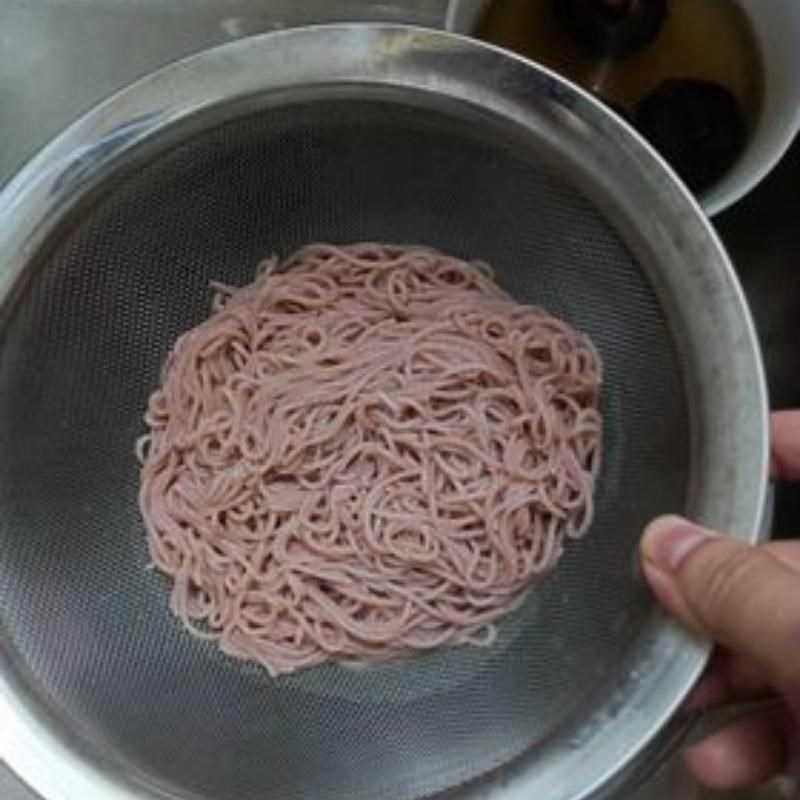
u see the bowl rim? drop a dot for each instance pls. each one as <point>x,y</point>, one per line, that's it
<point>776,27</point>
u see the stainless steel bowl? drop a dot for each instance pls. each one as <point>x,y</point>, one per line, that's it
<point>108,239</point>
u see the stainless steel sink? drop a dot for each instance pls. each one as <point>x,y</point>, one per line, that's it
<point>763,239</point>
<point>57,57</point>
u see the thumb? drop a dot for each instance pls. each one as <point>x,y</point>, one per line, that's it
<point>737,595</point>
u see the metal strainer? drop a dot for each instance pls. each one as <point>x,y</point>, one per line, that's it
<point>108,241</point>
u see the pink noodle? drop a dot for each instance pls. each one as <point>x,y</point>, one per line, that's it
<point>371,449</point>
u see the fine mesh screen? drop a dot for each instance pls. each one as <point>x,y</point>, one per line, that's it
<point>83,349</point>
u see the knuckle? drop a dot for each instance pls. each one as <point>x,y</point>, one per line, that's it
<point>722,578</point>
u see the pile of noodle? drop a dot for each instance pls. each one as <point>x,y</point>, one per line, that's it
<point>369,450</point>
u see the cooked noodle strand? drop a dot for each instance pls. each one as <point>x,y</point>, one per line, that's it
<point>369,450</point>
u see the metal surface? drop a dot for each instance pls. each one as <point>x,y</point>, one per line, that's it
<point>59,57</point>
<point>763,238</point>
<point>470,130</point>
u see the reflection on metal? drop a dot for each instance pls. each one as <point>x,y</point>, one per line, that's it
<point>59,57</point>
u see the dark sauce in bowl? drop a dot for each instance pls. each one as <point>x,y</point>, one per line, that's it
<point>687,73</point>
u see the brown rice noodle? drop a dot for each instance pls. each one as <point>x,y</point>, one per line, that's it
<point>369,450</point>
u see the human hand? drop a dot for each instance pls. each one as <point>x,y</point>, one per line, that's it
<point>746,599</point>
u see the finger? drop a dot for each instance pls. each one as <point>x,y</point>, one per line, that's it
<point>742,597</point>
<point>746,753</point>
<point>729,679</point>
<point>711,691</point>
<point>785,427</point>
<point>787,552</point>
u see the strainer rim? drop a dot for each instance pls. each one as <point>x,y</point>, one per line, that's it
<point>82,155</point>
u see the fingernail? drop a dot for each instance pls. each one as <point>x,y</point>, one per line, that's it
<point>661,584</point>
<point>667,541</point>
